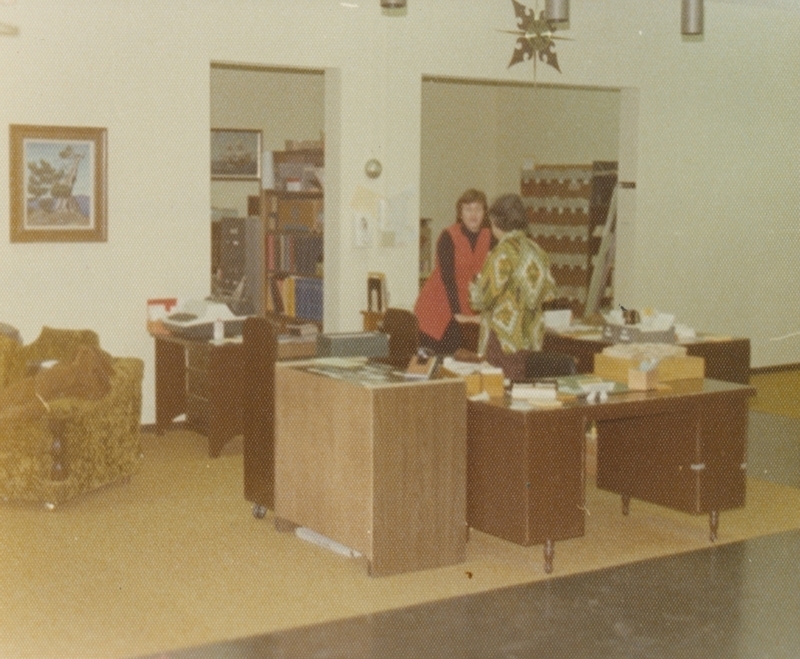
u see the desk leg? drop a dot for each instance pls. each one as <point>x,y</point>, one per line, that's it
<point>170,376</point>
<point>549,554</point>
<point>713,522</point>
<point>224,396</point>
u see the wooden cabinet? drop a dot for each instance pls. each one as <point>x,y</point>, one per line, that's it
<point>379,467</point>
<point>203,381</point>
<point>685,452</point>
<point>568,207</point>
<point>526,484</point>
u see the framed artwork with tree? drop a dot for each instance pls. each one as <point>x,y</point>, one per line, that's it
<point>58,184</point>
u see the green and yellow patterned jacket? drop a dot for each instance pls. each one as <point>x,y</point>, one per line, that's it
<point>509,292</point>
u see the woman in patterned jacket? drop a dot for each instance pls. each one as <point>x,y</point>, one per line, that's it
<point>509,291</point>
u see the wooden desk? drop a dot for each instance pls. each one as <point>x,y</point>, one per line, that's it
<point>684,448</point>
<point>202,380</point>
<point>725,359</point>
<point>206,382</point>
<point>378,467</point>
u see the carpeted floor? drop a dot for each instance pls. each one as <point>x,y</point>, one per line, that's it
<point>777,393</point>
<point>175,558</point>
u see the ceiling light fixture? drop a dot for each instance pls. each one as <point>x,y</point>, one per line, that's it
<point>556,11</point>
<point>691,17</point>
<point>393,4</point>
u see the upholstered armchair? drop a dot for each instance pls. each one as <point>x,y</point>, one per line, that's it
<point>77,445</point>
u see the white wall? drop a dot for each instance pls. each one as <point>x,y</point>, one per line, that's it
<point>715,235</point>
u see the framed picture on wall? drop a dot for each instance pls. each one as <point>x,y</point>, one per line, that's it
<point>58,184</point>
<point>235,154</point>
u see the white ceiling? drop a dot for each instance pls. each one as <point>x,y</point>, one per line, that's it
<point>793,5</point>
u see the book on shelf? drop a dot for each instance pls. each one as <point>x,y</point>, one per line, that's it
<point>308,298</point>
<point>298,252</point>
<point>297,296</point>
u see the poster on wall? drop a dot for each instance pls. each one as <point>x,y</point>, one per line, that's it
<point>58,184</point>
<point>235,154</point>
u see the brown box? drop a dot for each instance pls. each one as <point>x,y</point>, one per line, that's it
<point>304,145</point>
<point>669,368</point>
<point>296,347</point>
<point>473,381</point>
<point>492,384</point>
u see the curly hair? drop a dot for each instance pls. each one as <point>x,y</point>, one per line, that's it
<point>507,213</point>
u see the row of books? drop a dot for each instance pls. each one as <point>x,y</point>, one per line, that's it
<point>299,253</point>
<point>295,295</point>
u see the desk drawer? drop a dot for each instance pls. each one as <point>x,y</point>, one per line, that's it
<point>197,357</point>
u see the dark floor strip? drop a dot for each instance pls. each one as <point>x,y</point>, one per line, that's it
<point>738,600</point>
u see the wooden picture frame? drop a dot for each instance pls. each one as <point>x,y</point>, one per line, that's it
<point>235,154</point>
<point>58,183</point>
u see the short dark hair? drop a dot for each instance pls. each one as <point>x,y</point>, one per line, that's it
<point>472,196</point>
<point>507,213</point>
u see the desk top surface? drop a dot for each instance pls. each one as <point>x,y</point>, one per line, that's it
<point>677,389</point>
<point>587,334</point>
<point>362,371</point>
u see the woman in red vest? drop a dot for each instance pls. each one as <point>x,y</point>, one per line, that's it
<point>443,303</point>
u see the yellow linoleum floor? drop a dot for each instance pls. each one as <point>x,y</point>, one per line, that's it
<point>175,558</point>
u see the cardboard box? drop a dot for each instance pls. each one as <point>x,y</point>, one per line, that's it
<point>477,381</point>
<point>642,380</point>
<point>634,334</point>
<point>493,384</point>
<point>669,368</point>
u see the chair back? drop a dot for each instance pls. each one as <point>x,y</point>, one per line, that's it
<point>403,330</point>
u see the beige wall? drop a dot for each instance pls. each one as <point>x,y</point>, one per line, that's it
<point>714,237</point>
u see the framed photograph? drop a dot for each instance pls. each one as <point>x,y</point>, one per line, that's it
<point>58,184</point>
<point>235,154</point>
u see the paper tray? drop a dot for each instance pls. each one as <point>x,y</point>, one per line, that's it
<point>201,327</point>
<point>203,330</point>
<point>633,334</point>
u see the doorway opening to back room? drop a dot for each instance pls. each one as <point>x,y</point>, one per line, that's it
<point>558,147</point>
<point>267,181</point>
